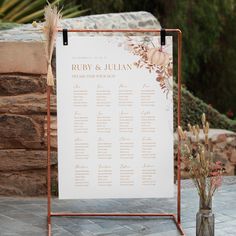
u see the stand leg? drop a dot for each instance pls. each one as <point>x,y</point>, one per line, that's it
<point>179,123</point>
<point>178,225</point>
<point>49,228</point>
<point>49,160</point>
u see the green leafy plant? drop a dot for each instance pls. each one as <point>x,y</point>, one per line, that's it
<point>209,35</point>
<point>26,11</point>
<point>192,107</point>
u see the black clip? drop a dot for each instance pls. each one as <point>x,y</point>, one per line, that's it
<point>65,36</point>
<point>163,37</point>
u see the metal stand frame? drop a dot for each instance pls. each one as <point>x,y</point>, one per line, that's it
<point>175,217</point>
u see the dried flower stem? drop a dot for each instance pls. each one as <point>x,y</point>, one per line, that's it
<point>52,18</point>
<point>198,158</point>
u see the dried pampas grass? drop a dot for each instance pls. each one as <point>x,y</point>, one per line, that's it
<point>52,18</point>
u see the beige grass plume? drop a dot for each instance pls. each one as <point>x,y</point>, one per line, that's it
<point>52,18</point>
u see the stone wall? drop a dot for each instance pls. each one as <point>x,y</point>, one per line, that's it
<point>23,100</point>
<point>23,105</point>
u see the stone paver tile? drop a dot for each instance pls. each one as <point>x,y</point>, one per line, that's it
<point>60,232</point>
<point>10,225</point>
<point>33,208</point>
<point>124,231</point>
<point>8,234</point>
<point>190,232</point>
<point>189,224</point>
<point>27,218</point>
<point>139,228</point>
<point>169,233</point>
<point>6,208</point>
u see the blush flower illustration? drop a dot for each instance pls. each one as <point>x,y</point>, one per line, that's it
<point>153,59</point>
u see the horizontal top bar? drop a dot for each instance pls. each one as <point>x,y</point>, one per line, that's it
<point>121,30</point>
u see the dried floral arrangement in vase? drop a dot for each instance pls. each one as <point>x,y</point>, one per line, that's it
<point>204,170</point>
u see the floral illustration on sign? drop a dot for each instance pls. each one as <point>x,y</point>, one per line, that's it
<point>153,58</point>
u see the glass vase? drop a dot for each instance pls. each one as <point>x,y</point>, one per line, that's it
<point>205,221</point>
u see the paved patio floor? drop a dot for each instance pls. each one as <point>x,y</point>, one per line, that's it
<point>27,216</point>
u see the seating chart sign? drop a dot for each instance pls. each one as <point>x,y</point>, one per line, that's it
<point>115,117</point>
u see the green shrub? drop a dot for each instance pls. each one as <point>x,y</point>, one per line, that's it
<point>192,108</point>
<point>26,11</point>
<point>209,36</point>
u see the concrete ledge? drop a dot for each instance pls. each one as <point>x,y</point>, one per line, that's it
<point>22,57</point>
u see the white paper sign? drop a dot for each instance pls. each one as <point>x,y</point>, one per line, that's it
<point>115,117</point>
